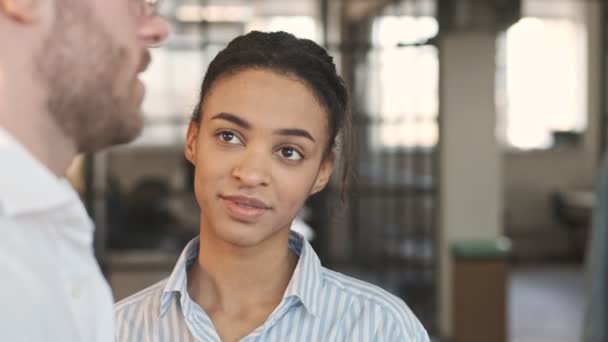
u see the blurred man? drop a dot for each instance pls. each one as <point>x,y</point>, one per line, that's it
<point>68,84</point>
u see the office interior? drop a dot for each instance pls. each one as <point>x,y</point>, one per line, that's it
<point>478,123</point>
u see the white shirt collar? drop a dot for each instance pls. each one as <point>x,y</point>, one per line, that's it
<point>26,185</point>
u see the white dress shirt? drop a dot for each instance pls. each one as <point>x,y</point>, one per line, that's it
<point>51,287</point>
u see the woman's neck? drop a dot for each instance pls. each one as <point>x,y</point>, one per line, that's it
<point>231,279</point>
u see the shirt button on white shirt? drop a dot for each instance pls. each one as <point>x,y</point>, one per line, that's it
<point>76,291</point>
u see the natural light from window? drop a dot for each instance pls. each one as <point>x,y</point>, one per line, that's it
<point>404,82</point>
<point>544,82</point>
<point>300,26</point>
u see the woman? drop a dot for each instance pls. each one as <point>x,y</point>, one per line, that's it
<point>263,139</point>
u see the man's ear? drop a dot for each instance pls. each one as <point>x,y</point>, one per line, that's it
<point>22,11</point>
<point>327,167</point>
<point>191,141</point>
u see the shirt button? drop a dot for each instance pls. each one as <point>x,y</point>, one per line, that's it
<point>76,291</point>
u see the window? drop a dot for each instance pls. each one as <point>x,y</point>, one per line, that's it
<point>300,26</point>
<point>541,82</point>
<point>403,76</point>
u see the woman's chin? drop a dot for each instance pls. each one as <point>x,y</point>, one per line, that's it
<point>245,236</point>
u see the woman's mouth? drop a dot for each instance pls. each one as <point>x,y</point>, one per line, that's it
<point>245,209</point>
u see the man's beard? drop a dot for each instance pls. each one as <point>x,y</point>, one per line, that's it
<point>80,65</point>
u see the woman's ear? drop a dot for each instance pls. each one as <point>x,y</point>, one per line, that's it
<point>191,141</point>
<point>327,167</point>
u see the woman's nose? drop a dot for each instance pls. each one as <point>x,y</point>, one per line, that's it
<point>252,170</point>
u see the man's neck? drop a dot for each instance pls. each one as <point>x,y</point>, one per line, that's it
<point>24,114</point>
<point>231,279</point>
<point>38,133</point>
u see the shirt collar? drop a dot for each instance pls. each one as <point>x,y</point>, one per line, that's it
<point>177,283</point>
<point>26,184</point>
<point>304,285</point>
<point>306,282</point>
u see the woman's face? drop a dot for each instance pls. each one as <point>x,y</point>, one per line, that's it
<point>258,153</point>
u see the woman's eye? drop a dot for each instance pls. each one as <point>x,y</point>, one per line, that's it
<point>290,153</point>
<point>229,137</point>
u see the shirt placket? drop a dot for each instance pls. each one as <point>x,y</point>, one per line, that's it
<point>200,324</point>
<point>282,310</point>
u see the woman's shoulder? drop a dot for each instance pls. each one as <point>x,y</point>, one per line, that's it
<point>142,300</point>
<point>362,290</point>
<point>391,311</point>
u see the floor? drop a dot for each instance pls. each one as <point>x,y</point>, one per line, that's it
<point>546,303</point>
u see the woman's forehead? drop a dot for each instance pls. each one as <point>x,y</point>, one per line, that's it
<point>266,98</point>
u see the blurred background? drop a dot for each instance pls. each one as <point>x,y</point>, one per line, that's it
<point>480,127</point>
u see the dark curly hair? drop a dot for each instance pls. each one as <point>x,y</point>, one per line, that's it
<point>284,53</point>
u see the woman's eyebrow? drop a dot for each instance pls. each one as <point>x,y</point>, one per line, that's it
<point>296,132</point>
<point>235,119</point>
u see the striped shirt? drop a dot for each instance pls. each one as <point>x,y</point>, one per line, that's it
<point>318,305</point>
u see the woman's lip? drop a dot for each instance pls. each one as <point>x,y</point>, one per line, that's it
<point>247,201</point>
<point>244,211</point>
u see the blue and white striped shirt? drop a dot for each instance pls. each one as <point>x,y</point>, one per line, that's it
<point>318,305</point>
